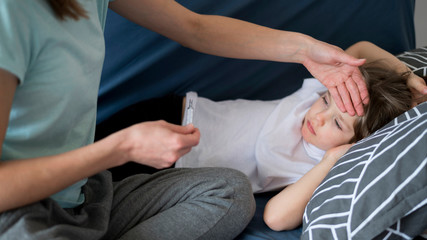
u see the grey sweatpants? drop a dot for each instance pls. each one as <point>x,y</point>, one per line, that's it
<point>206,203</point>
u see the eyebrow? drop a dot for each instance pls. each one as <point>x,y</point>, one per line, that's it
<point>340,113</point>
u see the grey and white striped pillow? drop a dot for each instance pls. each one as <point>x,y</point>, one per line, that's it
<point>416,60</point>
<point>378,190</point>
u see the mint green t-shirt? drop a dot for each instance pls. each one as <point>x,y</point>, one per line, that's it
<point>58,64</point>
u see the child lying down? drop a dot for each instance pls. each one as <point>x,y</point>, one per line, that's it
<point>275,143</point>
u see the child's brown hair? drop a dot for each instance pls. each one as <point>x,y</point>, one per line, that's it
<point>389,96</point>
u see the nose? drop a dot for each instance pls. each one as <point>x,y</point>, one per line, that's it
<point>321,118</point>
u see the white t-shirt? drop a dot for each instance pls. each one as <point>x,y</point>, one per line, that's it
<point>260,138</point>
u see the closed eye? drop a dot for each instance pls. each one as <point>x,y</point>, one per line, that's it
<point>338,125</point>
<point>325,101</point>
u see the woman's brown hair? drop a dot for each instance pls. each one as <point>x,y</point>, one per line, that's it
<point>67,8</point>
<point>389,96</point>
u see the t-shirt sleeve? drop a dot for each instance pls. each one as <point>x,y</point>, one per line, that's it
<point>15,35</point>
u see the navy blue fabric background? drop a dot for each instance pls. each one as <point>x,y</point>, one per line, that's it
<point>141,64</point>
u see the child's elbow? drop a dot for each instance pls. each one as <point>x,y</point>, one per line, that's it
<point>280,223</point>
<point>273,222</point>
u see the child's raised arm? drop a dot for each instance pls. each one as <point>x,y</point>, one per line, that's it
<point>373,53</point>
<point>285,210</point>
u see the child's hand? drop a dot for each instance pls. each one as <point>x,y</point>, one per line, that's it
<point>336,153</point>
<point>418,88</point>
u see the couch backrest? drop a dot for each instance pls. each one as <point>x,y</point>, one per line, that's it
<point>140,64</point>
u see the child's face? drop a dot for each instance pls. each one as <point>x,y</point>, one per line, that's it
<point>325,126</point>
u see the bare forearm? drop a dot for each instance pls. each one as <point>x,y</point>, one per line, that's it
<point>373,53</point>
<point>285,210</point>
<point>157,144</point>
<point>211,34</point>
<point>30,180</point>
<point>240,39</point>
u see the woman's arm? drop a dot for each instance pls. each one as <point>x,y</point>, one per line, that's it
<point>228,37</point>
<point>156,144</point>
<point>285,210</point>
<point>222,36</point>
<point>373,53</point>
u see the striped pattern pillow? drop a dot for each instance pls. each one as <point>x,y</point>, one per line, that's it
<point>378,190</point>
<point>416,60</point>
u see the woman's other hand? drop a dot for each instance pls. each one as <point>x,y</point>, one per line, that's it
<point>158,144</point>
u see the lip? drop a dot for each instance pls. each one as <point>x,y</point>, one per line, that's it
<point>310,127</point>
